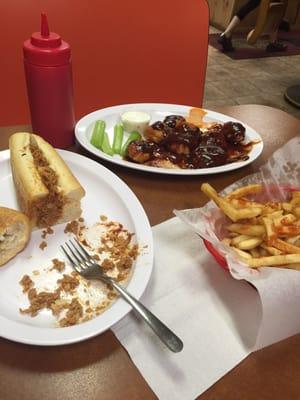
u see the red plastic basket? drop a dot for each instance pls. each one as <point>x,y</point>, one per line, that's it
<point>217,256</point>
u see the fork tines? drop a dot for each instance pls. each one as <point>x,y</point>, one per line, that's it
<point>76,254</point>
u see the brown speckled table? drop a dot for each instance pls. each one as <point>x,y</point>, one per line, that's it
<point>100,368</point>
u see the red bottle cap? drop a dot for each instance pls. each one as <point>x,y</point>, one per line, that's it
<point>46,48</point>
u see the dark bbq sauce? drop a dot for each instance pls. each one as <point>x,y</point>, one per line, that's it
<point>172,121</point>
<point>184,145</point>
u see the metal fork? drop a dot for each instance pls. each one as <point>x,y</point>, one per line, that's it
<point>85,265</point>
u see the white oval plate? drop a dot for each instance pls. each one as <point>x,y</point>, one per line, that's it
<point>106,195</point>
<point>111,116</point>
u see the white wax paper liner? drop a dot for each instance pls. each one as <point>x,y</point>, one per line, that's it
<point>278,288</point>
<point>282,170</point>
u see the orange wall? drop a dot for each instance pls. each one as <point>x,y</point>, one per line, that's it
<point>122,51</point>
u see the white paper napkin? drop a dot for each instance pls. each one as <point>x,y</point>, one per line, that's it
<point>216,316</point>
<point>220,319</point>
<point>278,288</point>
<point>280,304</point>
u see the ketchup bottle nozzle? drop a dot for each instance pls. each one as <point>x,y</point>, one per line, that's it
<point>47,40</point>
<point>44,25</point>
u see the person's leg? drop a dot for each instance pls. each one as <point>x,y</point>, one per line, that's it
<point>247,8</point>
<point>274,43</point>
<point>231,26</point>
<point>240,15</point>
<point>225,37</point>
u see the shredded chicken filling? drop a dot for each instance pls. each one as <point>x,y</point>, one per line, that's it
<point>49,208</point>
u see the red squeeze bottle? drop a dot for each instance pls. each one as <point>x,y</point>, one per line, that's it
<point>47,60</point>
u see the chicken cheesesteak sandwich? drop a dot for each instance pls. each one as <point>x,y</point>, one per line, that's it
<point>47,191</point>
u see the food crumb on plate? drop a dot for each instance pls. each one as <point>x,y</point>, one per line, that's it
<point>26,283</point>
<point>71,298</point>
<point>58,265</point>
<point>75,226</point>
<point>47,231</point>
<point>42,245</point>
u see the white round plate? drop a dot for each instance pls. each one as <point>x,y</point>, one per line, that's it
<point>158,112</point>
<point>106,195</point>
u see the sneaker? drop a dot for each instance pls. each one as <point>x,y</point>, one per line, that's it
<point>276,46</point>
<point>225,42</point>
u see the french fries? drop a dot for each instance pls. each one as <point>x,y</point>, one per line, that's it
<point>273,261</point>
<point>233,213</point>
<point>238,239</point>
<point>250,244</point>
<point>271,250</point>
<point>286,247</point>
<point>261,234</point>
<point>247,229</point>
<point>244,191</point>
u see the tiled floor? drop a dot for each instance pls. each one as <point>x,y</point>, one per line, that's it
<point>255,81</point>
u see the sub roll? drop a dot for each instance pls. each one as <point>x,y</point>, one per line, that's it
<point>47,191</point>
<point>14,233</point>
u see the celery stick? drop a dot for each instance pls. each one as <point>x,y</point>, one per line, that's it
<point>118,138</point>
<point>98,133</point>
<point>131,138</point>
<point>106,147</point>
